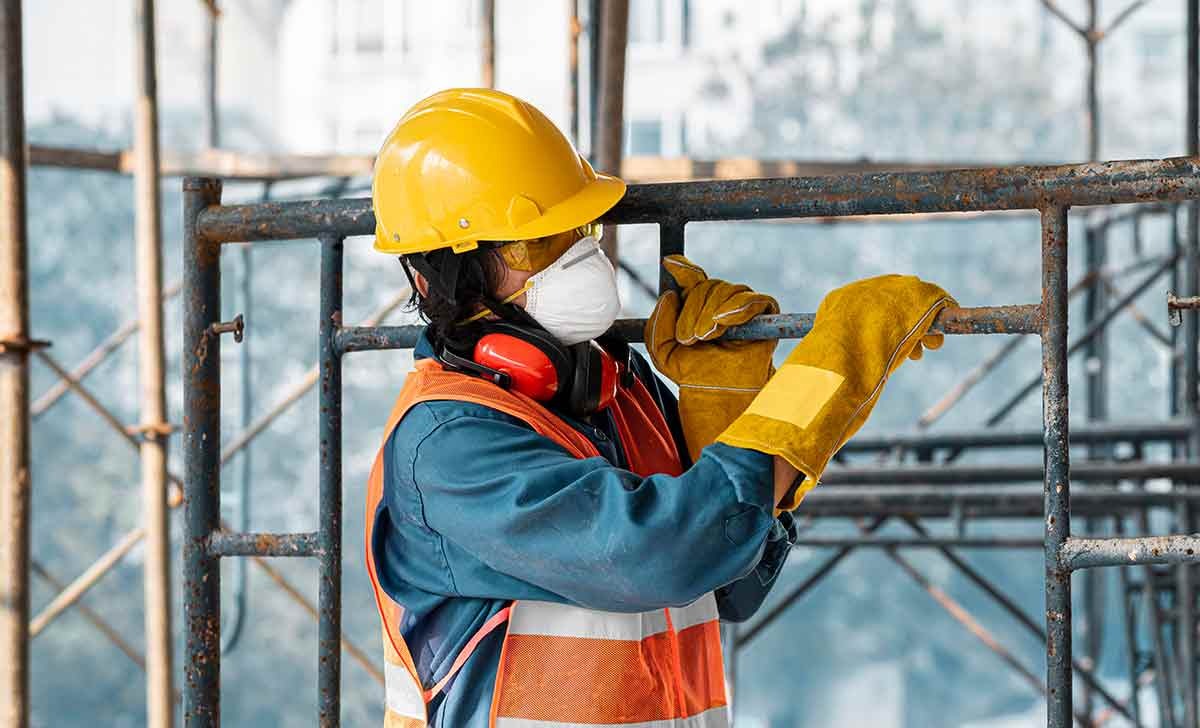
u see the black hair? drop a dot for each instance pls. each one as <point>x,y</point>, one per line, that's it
<point>478,274</point>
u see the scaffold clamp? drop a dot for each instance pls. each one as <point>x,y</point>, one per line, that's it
<point>1176,304</point>
<point>22,344</point>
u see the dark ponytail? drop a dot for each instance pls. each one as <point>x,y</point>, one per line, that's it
<point>477,278</point>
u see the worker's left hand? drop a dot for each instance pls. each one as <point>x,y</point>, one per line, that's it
<point>830,383</point>
<point>717,379</point>
<point>932,342</point>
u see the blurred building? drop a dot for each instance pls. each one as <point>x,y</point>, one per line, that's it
<point>348,68</point>
<point>322,76</point>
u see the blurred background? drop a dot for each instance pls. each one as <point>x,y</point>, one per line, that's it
<point>766,83</point>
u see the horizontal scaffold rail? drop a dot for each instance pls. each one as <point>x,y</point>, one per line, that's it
<point>1175,430</point>
<point>881,193</point>
<point>983,501</point>
<point>227,543</point>
<point>232,164</point>
<point>983,474</point>
<point>1086,553</point>
<point>984,320</point>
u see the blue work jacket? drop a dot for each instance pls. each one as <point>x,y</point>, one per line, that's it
<point>479,510</point>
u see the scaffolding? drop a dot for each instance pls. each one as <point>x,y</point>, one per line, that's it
<point>912,494</point>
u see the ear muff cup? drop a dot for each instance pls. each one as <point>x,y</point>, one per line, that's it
<point>581,378</point>
<point>587,390</point>
<point>538,365</point>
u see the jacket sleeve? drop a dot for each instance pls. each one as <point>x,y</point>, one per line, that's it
<point>592,534</point>
<point>738,601</point>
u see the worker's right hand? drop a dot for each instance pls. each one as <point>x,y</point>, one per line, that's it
<point>717,379</point>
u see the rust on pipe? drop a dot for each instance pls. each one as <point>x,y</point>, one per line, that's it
<point>14,380</point>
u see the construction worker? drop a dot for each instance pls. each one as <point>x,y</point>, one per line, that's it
<point>552,538</point>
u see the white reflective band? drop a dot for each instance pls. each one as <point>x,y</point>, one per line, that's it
<point>713,718</point>
<point>700,611</point>
<point>561,620</point>
<point>403,694</point>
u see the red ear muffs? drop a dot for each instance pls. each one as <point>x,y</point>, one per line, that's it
<point>530,369</point>
<point>594,383</point>
<point>583,378</point>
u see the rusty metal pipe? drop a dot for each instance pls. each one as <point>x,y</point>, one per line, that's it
<point>979,501</point>
<point>202,445</point>
<point>1087,553</point>
<point>15,345</point>
<point>981,320</point>
<point>225,543</point>
<point>1174,430</point>
<point>1056,465</point>
<point>1003,473</point>
<point>968,190</point>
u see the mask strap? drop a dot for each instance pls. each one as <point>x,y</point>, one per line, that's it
<point>488,312</point>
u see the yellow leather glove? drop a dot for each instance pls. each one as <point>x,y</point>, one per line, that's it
<point>831,381</point>
<point>717,379</point>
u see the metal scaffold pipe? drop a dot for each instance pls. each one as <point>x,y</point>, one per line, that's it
<point>1186,634</point>
<point>608,145</point>
<point>202,439</point>
<point>488,43</point>
<point>212,122</point>
<point>153,427</point>
<point>880,193</point>
<point>1057,462</point>
<point>15,345</point>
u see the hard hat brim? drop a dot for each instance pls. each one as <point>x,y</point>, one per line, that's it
<point>585,206</point>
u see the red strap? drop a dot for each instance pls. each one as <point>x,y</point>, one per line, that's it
<point>488,627</point>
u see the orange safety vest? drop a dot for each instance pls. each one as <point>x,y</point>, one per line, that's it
<point>564,666</point>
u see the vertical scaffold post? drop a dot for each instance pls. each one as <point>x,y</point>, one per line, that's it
<point>1057,460</point>
<point>329,635</point>
<point>573,31</point>
<point>670,242</point>
<point>160,689</point>
<point>14,381</point>
<point>212,121</point>
<point>202,459</point>
<point>1191,348</point>
<point>608,146</point>
<point>488,44</point>
<point>1093,586</point>
<point>593,77</point>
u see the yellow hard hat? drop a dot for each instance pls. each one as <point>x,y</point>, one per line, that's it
<point>466,165</point>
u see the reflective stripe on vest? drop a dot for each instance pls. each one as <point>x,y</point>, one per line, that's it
<point>715,718</point>
<point>404,700</point>
<point>564,666</point>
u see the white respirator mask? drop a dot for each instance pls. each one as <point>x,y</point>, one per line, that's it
<point>576,297</point>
